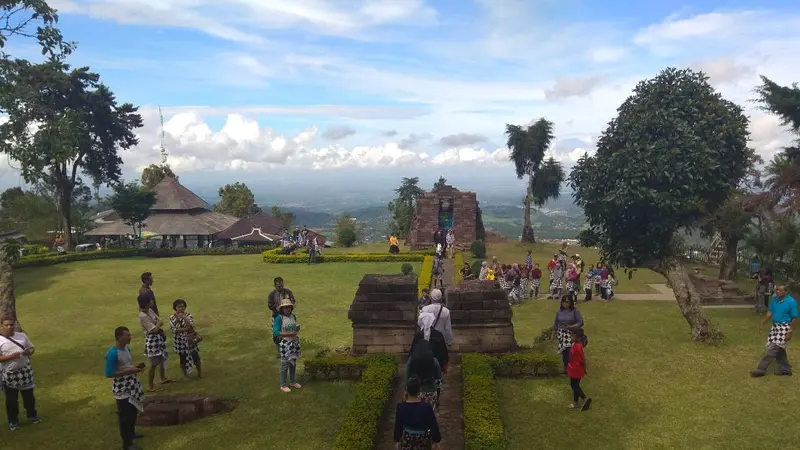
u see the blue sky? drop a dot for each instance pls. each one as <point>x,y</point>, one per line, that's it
<point>401,86</point>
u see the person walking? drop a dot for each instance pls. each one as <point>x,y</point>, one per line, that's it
<point>576,370</point>
<point>415,424</point>
<point>782,312</point>
<point>450,241</point>
<point>567,318</point>
<point>16,372</point>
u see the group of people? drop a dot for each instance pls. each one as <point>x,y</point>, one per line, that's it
<point>523,281</point>
<point>301,238</point>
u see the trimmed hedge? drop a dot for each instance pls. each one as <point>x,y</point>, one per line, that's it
<point>527,364</point>
<point>335,367</point>
<point>49,259</point>
<point>425,275</point>
<point>359,430</point>
<point>458,263</point>
<point>295,258</point>
<point>483,429</point>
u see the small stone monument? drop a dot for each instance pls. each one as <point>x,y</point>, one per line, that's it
<point>384,313</point>
<point>481,317</point>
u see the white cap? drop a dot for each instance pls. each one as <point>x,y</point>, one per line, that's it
<point>436,295</point>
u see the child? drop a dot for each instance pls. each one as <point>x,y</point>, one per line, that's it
<point>415,424</point>
<point>425,300</point>
<point>126,387</point>
<point>609,288</point>
<point>438,270</point>
<point>529,261</point>
<point>576,370</point>
<point>285,330</point>
<point>598,273</point>
<point>536,280</point>
<point>185,339</point>
<point>587,285</point>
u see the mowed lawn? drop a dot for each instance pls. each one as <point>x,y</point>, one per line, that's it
<point>652,387</point>
<point>70,312</point>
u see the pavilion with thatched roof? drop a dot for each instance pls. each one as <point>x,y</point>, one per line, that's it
<point>179,217</point>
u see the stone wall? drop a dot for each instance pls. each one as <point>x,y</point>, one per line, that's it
<point>383,313</point>
<point>426,217</point>
<point>481,317</point>
<point>714,291</point>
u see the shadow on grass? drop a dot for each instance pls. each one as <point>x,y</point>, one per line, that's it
<point>32,279</point>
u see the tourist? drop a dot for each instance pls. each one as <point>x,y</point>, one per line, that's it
<point>495,265</point>
<point>557,282</point>
<point>536,280</point>
<point>425,300</point>
<point>524,282</point>
<point>572,280</point>
<point>782,311</point>
<point>126,387</point>
<point>587,285</point>
<point>576,370</point>
<point>155,347</point>
<point>16,372</point>
<point>597,278</point>
<point>450,244</point>
<point>551,266</point>
<point>185,339</point>
<point>515,294</point>
<point>608,290</point>
<point>567,319</point>
<point>438,270</point>
<point>562,256</point>
<point>438,239</point>
<point>490,274</point>
<point>443,324</point>
<point>426,324</point>
<point>466,272</point>
<point>423,364</point>
<point>529,260</point>
<point>274,299</point>
<point>147,288</point>
<point>484,271</point>
<point>415,424</point>
<point>394,245</point>
<point>312,251</point>
<point>285,330</point>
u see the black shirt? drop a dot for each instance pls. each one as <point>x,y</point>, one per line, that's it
<point>418,417</point>
<point>275,297</point>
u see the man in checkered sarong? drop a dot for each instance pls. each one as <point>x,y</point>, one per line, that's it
<point>783,313</point>
<point>127,389</point>
<point>16,373</point>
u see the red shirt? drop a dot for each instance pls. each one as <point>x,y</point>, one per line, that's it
<point>577,361</point>
<point>551,265</point>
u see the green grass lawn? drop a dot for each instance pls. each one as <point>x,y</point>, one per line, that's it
<point>652,387</point>
<point>70,312</point>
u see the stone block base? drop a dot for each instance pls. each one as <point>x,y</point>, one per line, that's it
<point>389,339</point>
<point>179,409</point>
<point>484,338</point>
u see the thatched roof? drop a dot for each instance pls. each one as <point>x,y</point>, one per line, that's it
<point>172,196</point>
<point>198,222</point>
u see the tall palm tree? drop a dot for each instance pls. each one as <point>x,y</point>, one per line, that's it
<point>528,146</point>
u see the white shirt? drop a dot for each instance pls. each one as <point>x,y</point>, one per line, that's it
<point>7,347</point>
<point>444,325</point>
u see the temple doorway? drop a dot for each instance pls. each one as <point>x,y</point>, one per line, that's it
<point>446,213</point>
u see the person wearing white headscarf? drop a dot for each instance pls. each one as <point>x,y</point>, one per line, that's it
<point>484,271</point>
<point>436,308</point>
<point>425,322</point>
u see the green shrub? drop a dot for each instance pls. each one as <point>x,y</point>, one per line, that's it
<point>34,249</point>
<point>296,258</point>
<point>346,237</point>
<point>458,262</point>
<point>476,267</point>
<point>478,249</point>
<point>483,429</point>
<point>359,430</point>
<point>335,367</point>
<point>527,364</point>
<point>406,269</point>
<point>11,249</point>
<point>425,275</point>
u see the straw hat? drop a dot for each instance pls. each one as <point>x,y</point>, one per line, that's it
<point>286,302</point>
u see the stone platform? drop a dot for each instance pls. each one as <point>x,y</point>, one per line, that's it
<point>179,409</point>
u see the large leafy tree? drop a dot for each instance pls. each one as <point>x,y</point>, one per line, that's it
<point>528,146</point>
<point>402,207</point>
<point>155,173</point>
<point>132,202</point>
<point>674,153</point>
<point>287,217</point>
<point>440,183</point>
<point>63,123</point>
<point>237,200</point>
<point>347,231</point>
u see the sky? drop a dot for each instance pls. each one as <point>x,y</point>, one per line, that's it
<point>274,92</point>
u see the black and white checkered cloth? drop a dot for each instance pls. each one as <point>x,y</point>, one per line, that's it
<point>588,283</point>
<point>154,345</point>
<point>572,285</point>
<point>131,388</point>
<point>777,334</point>
<point>558,283</point>
<point>290,349</point>
<point>564,337</point>
<point>21,379</point>
<point>180,341</point>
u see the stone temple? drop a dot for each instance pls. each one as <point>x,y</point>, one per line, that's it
<point>445,207</point>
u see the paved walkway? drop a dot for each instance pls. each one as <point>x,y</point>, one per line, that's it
<point>665,293</point>
<point>451,419</point>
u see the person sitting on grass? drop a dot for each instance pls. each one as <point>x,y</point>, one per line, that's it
<point>155,347</point>
<point>466,272</point>
<point>423,365</point>
<point>185,339</point>
<point>415,424</point>
<point>576,370</point>
<point>285,330</point>
<point>16,373</point>
<point>126,387</point>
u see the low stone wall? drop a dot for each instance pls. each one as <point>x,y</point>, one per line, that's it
<point>179,409</point>
<point>383,314</point>
<point>713,291</point>
<point>481,317</point>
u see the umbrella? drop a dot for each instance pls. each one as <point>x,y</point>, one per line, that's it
<point>147,234</point>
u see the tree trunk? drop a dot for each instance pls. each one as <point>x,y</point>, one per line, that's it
<point>7,298</point>
<point>727,263</point>
<point>65,201</point>
<point>527,229</point>
<point>689,301</point>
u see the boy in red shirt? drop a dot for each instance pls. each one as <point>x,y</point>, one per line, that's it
<point>576,369</point>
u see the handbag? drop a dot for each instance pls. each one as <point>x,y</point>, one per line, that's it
<point>193,337</point>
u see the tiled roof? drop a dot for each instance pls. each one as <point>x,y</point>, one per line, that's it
<point>266,223</point>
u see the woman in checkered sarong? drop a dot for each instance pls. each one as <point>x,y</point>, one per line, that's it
<point>184,338</point>
<point>423,364</point>
<point>567,318</point>
<point>16,373</point>
<point>285,329</point>
<point>155,346</point>
<point>415,424</point>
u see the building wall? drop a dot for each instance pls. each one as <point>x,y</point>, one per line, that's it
<point>465,205</point>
